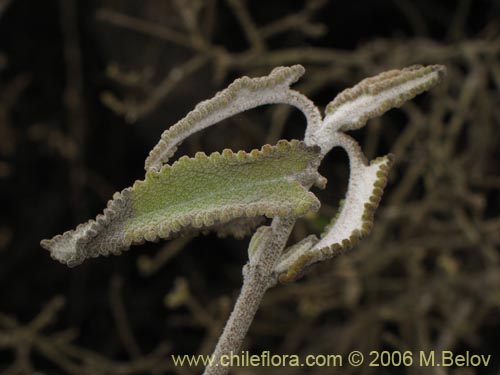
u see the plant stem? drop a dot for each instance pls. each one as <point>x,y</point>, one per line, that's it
<point>258,277</point>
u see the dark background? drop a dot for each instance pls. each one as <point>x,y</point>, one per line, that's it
<point>83,100</point>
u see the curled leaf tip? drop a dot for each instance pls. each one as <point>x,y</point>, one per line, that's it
<point>354,220</point>
<point>243,94</point>
<point>372,97</point>
<point>375,95</point>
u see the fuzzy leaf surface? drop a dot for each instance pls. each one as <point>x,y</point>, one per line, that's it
<point>372,97</point>
<point>353,221</point>
<point>243,94</point>
<point>197,194</point>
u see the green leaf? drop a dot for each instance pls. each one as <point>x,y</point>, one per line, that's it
<point>197,194</point>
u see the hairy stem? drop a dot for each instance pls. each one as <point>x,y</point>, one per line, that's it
<point>258,277</point>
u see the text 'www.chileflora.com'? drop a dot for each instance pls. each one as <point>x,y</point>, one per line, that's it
<point>444,358</point>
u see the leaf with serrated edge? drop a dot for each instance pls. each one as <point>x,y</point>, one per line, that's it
<point>195,194</point>
<point>372,97</point>
<point>353,221</point>
<point>243,94</point>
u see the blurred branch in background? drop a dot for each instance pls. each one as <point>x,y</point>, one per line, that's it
<point>73,98</point>
<point>28,340</point>
<point>194,13</point>
<point>4,4</point>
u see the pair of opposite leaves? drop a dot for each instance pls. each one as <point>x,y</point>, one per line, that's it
<point>230,192</point>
